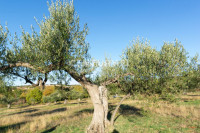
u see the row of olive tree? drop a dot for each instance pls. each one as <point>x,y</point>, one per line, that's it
<point>168,70</point>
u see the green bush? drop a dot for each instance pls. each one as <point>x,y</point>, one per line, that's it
<point>58,95</point>
<point>76,92</point>
<point>34,96</point>
<point>169,97</point>
<point>72,93</point>
<point>46,99</point>
<point>8,94</point>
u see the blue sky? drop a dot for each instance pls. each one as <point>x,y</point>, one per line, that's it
<point>114,23</point>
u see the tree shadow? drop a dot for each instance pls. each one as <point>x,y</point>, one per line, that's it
<point>124,109</point>
<point>78,113</point>
<point>24,111</point>
<point>50,130</point>
<point>47,112</point>
<point>57,103</point>
<point>115,131</point>
<point>24,106</point>
<point>78,103</point>
<point>127,110</point>
<point>194,95</point>
<point>3,129</point>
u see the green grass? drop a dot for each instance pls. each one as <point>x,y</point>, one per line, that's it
<point>155,123</point>
<point>133,116</point>
<point>75,127</point>
<point>191,102</point>
<point>145,121</point>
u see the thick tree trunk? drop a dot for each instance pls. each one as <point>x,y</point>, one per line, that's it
<point>65,102</point>
<point>41,85</point>
<point>116,109</point>
<point>9,106</point>
<point>98,95</point>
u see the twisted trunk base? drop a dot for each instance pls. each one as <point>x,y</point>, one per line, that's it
<point>98,95</point>
<point>9,106</point>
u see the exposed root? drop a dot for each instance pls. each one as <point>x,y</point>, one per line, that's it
<point>96,128</point>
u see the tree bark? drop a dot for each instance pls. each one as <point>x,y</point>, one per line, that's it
<point>116,109</point>
<point>9,106</point>
<point>65,102</point>
<point>98,95</point>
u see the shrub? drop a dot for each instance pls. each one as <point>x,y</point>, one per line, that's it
<point>8,94</point>
<point>76,92</point>
<point>169,97</point>
<point>34,96</point>
<point>58,95</point>
<point>23,95</point>
<point>48,90</point>
<point>46,99</point>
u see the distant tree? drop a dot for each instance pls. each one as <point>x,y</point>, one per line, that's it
<point>148,71</point>
<point>7,94</point>
<point>192,76</point>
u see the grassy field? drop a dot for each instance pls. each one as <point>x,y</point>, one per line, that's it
<point>141,116</point>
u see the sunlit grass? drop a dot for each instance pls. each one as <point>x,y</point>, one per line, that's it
<point>143,115</point>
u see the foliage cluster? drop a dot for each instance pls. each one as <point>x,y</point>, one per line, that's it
<point>164,71</point>
<point>8,94</point>
<point>71,93</point>
<point>34,96</point>
<point>58,95</point>
<point>76,92</point>
<point>48,90</point>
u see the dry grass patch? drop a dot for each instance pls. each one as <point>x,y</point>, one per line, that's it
<point>40,117</point>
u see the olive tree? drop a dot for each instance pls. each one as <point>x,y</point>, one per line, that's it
<point>8,94</point>
<point>150,71</point>
<point>60,45</point>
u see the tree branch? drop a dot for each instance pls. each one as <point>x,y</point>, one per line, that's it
<point>28,65</point>
<point>116,109</point>
<point>25,78</point>
<point>114,80</point>
<point>78,77</point>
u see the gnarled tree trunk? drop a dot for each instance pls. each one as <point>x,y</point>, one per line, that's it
<point>8,105</point>
<point>98,96</point>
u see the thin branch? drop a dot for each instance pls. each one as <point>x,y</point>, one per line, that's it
<point>28,65</point>
<point>25,78</point>
<point>116,109</point>
<point>114,80</point>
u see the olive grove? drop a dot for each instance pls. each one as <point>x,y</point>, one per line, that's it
<point>60,47</point>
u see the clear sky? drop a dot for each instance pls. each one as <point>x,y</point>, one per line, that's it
<point>114,23</point>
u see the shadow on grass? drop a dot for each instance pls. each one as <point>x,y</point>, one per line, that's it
<point>115,131</point>
<point>127,110</point>
<point>24,106</point>
<point>124,110</point>
<point>79,113</point>
<point>24,111</point>
<point>48,112</point>
<point>78,103</point>
<point>3,129</point>
<point>194,95</point>
<point>50,130</point>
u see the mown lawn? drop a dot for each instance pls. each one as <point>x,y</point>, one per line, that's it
<point>141,116</point>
